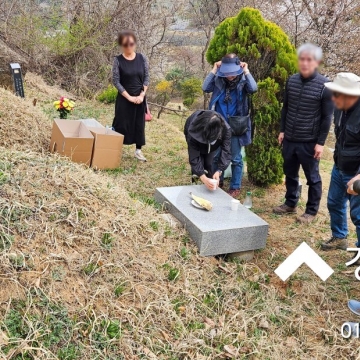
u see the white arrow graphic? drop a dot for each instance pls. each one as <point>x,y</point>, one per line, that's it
<point>304,254</point>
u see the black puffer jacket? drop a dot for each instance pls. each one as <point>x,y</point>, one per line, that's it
<point>198,146</point>
<point>347,148</point>
<point>308,109</point>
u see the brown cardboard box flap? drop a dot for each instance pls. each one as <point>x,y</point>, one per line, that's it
<point>72,139</point>
<point>107,150</point>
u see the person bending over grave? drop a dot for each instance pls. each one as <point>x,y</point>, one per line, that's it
<point>131,78</point>
<point>230,83</point>
<point>206,132</point>
<point>305,123</point>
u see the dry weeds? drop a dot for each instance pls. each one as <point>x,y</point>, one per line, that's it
<point>22,125</point>
<point>41,91</point>
<point>91,270</point>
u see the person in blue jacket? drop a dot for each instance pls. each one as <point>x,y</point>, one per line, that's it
<point>230,83</point>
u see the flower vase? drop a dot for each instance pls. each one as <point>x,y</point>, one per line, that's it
<point>63,115</point>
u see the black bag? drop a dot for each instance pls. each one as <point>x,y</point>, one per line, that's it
<point>239,124</point>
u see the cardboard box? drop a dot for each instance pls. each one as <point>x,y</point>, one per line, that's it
<point>72,139</point>
<point>107,149</point>
<point>91,123</point>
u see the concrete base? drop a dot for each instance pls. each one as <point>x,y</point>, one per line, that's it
<point>219,231</point>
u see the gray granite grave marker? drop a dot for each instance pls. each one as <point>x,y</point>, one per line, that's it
<point>219,231</point>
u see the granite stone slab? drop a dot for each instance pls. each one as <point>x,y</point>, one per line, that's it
<point>219,231</point>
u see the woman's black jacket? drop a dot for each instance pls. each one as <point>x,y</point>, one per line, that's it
<point>198,147</point>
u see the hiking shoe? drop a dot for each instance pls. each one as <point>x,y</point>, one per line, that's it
<point>284,209</point>
<point>234,193</point>
<point>140,156</point>
<point>357,262</point>
<point>354,307</point>
<point>335,244</point>
<point>306,218</point>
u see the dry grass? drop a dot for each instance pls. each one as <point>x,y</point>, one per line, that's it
<point>91,270</point>
<point>22,126</point>
<point>39,90</point>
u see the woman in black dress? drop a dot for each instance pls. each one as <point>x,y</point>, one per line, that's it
<point>131,78</point>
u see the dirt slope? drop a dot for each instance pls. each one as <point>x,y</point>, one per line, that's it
<point>23,126</point>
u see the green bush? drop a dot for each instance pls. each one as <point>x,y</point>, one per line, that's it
<point>190,89</point>
<point>176,76</point>
<point>108,95</point>
<point>272,59</point>
<point>264,157</point>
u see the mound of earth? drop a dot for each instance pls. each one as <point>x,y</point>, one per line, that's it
<point>23,126</point>
<point>39,89</point>
<point>75,236</point>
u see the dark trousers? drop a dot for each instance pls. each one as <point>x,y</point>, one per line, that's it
<point>296,154</point>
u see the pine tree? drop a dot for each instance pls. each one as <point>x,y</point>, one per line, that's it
<point>272,59</point>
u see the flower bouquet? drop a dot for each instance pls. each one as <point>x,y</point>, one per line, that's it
<point>64,106</point>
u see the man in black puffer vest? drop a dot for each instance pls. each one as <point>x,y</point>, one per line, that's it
<point>305,122</point>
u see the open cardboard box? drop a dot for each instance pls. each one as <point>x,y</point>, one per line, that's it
<point>72,139</point>
<point>91,123</point>
<point>107,150</point>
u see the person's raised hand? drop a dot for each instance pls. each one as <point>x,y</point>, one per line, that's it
<point>216,67</point>
<point>245,67</point>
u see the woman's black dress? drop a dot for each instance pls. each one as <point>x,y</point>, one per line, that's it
<point>129,117</point>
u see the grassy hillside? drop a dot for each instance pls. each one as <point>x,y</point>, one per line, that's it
<point>91,268</point>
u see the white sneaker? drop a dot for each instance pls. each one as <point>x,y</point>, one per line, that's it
<point>140,156</point>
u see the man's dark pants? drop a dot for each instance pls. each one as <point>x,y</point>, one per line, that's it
<point>296,154</point>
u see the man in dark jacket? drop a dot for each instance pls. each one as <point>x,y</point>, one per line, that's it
<point>206,132</point>
<point>305,123</point>
<point>346,96</point>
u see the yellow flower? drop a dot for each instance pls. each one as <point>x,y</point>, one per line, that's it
<point>65,104</point>
<point>72,104</point>
<point>68,108</point>
<point>57,106</point>
<point>57,102</point>
<point>163,86</point>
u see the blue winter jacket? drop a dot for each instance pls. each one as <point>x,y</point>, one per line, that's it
<point>247,85</point>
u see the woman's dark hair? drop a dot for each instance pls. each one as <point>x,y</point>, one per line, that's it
<point>126,35</point>
<point>210,124</point>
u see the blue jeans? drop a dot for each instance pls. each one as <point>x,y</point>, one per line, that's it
<point>337,205</point>
<point>237,163</point>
